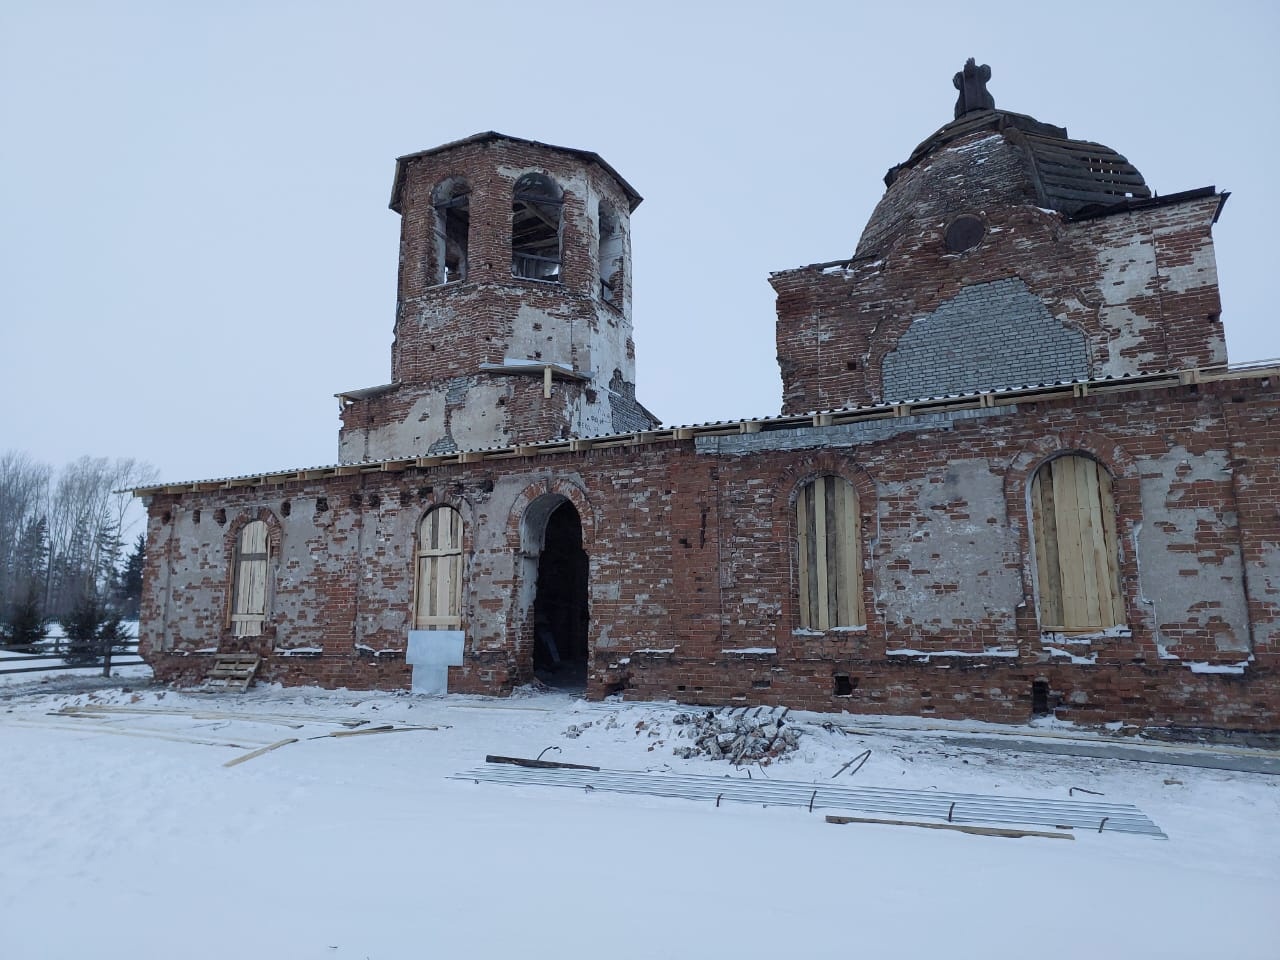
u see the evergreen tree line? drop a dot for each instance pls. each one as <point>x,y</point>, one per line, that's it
<point>62,548</point>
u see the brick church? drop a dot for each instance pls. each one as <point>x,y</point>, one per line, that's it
<point>1013,474</point>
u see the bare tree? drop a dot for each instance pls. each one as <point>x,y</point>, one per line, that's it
<point>24,493</point>
<point>75,526</point>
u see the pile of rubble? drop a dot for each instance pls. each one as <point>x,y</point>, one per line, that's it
<point>761,737</point>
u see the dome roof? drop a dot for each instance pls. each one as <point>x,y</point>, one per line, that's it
<point>989,157</point>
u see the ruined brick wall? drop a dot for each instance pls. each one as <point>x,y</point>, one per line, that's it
<point>441,397</point>
<point>1139,287</point>
<point>693,567</point>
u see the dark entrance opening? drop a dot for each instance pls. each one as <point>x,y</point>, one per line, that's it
<point>1039,698</point>
<point>560,615</point>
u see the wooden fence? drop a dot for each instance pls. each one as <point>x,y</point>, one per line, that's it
<point>108,654</point>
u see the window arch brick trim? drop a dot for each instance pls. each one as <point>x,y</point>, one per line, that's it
<point>571,490</point>
<point>795,475</point>
<point>459,503</point>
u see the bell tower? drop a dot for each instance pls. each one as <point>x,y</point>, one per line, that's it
<point>513,307</point>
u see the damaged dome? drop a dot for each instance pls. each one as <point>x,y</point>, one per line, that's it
<point>989,157</point>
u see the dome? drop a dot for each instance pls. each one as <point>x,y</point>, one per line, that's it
<point>988,157</point>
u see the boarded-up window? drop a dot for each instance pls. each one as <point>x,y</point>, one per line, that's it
<point>439,586</point>
<point>249,606</point>
<point>829,560</point>
<point>1073,518</point>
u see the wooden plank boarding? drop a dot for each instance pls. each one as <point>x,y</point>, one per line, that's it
<point>820,536</point>
<point>260,751</point>
<point>250,589</point>
<point>1111,545</point>
<point>842,554</point>
<point>438,586</point>
<point>1046,544</point>
<point>828,529</point>
<point>1068,529</point>
<point>1077,556</point>
<point>803,553</point>
<point>1088,522</point>
<point>234,670</point>
<point>849,546</point>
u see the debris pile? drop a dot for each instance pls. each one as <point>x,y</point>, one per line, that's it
<point>761,737</point>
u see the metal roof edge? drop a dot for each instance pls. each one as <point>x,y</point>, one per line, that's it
<point>590,156</point>
<point>1079,388</point>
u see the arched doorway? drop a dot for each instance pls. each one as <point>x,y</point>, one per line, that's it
<point>560,611</point>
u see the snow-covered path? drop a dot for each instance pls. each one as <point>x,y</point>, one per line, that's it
<point>127,837</point>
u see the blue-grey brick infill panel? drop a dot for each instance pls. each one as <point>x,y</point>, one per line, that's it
<point>989,335</point>
<point>842,434</point>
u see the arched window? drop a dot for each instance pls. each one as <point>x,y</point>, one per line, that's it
<point>829,558</point>
<point>452,203</point>
<point>249,590</point>
<point>438,604</point>
<point>609,255</point>
<point>535,228</point>
<point>1073,520</point>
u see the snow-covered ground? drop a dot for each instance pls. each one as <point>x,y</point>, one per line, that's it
<point>126,836</point>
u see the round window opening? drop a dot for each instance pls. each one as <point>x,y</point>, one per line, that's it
<point>964,233</point>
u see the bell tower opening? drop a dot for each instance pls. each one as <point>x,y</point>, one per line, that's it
<point>513,304</point>
<point>560,611</point>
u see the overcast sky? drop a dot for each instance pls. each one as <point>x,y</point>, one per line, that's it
<point>196,251</point>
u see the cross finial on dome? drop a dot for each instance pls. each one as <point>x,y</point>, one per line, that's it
<point>972,84</point>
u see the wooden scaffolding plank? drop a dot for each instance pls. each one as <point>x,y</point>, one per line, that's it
<point>820,550</point>
<point>840,586</point>
<point>802,554</point>
<point>260,751</point>
<point>1046,543</point>
<point>1111,546</point>
<point>1090,526</point>
<point>853,554</point>
<point>1067,515</point>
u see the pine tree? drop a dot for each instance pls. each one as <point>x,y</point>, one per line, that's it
<point>26,623</point>
<point>30,557</point>
<point>129,595</point>
<point>82,626</point>
<point>92,625</point>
